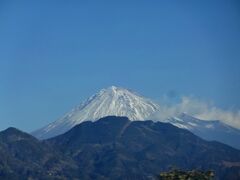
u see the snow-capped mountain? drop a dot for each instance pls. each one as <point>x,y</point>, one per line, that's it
<point>111,101</point>
<point>116,101</point>
<point>208,130</point>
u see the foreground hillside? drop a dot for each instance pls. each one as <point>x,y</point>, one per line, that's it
<point>113,148</point>
<point>24,157</point>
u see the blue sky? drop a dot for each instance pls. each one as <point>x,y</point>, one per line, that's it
<point>54,54</point>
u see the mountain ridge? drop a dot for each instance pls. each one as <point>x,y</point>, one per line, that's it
<point>123,102</point>
<point>110,101</point>
<point>113,148</point>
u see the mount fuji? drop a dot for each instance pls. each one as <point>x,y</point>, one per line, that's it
<point>116,101</point>
<point>112,101</point>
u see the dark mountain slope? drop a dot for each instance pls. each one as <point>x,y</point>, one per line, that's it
<point>116,148</point>
<point>113,148</point>
<point>24,157</point>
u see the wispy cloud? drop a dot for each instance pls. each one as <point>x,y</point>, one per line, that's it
<point>200,109</point>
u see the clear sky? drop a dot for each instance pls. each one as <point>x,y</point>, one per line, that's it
<point>56,53</point>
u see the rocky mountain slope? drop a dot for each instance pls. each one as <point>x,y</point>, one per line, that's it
<point>116,148</point>
<point>113,148</point>
<point>24,157</point>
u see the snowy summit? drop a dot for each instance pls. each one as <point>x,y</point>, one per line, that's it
<point>116,101</point>
<point>110,101</point>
